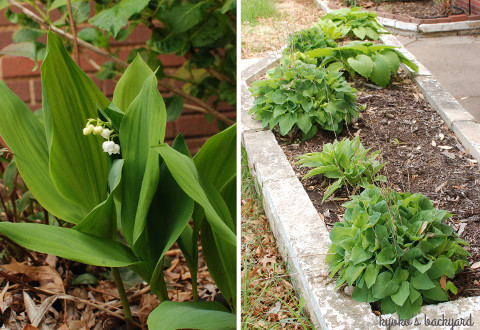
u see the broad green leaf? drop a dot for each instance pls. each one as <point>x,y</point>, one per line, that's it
<point>402,294</point>
<point>169,213</point>
<point>59,3</point>
<point>9,175</point>
<point>183,170</point>
<point>332,188</point>
<point>371,273</point>
<point>69,244</point>
<point>362,64</point>
<point>359,254</point>
<point>386,256</point>
<point>384,286</point>
<point>381,71</point>
<point>359,32</point>
<point>422,267</point>
<point>174,107</point>
<point>363,294</point>
<point>304,122</point>
<point>142,127</point>
<point>24,49</point>
<point>25,136</point>
<point>183,17</point>
<point>78,166</point>
<point>101,221</point>
<point>216,160</point>
<point>388,306</point>
<point>422,282</point>
<point>441,266</point>
<point>352,272</point>
<point>392,59</point>
<point>171,315</point>
<point>228,5</point>
<point>286,123</point>
<point>408,309</point>
<point>131,83</point>
<point>220,255</point>
<point>436,293</point>
<point>115,18</point>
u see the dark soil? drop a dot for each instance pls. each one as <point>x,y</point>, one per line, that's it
<point>423,156</point>
<point>415,9</point>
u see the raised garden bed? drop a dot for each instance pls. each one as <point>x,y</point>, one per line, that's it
<point>441,169</point>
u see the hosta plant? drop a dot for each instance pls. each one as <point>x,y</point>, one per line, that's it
<point>300,94</point>
<point>347,161</point>
<point>360,24</point>
<point>376,62</point>
<point>397,249</point>
<point>123,197</point>
<point>308,39</point>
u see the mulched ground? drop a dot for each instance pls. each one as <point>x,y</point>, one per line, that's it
<point>423,156</point>
<point>416,9</point>
<point>28,291</point>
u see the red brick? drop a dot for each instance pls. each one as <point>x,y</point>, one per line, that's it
<point>474,17</point>
<point>3,19</point>
<point>195,125</point>
<point>5,38</point>
<point>417,21</point>
<point>402,18</point>
<point>18,67</point>
<point>194,144</point>
<point>171,60</point>
<point>171,131</point>
<point>444,20</point>
<point>123,53</point>
<point>458,18</point>
<point>85,64</point>
<point>431,21</point>
<point>21,88</point>
<point>108,87</point>
<point>37,88</point>
<point>138,37</point>
<point>388,15</point>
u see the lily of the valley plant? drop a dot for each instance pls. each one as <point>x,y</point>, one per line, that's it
<point>124,195</point>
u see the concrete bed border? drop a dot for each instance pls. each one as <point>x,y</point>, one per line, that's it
<point>417,30</point>
<point>301,234</point>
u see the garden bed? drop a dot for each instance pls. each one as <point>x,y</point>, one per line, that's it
<point>423,156</point>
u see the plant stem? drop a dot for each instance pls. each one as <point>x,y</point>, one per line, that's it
<point>74,32</point>
<point>123,297</point>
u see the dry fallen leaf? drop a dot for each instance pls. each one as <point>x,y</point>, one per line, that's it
<point>475,265</point>
<point>48,277</point>
<point>443,281</point>
<point>37,313</point>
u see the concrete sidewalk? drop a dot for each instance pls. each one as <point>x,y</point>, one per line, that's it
<point>455,62</point>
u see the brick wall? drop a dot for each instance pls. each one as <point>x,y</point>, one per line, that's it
<point>17,73</point>
<point>464,4</point>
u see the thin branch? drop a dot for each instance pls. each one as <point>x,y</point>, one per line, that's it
<point>122,63</point>
<point>74,32</point>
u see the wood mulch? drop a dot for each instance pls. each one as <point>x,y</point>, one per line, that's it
<point>423,156</point>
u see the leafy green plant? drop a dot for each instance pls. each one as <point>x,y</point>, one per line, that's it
<point>396,248</point>
<point>308,39</point>
<point>132,183</point>
<point>347,161</point>
<point>300,94</point>
<point>376,62</point>
<point>202,32</point>
<point>360,24</point>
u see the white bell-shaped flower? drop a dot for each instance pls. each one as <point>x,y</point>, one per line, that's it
<point>97,130</point>
<point>111,147</point>
<point>88,129</point>
<point>106,133</point>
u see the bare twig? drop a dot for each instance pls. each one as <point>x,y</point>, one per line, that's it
<point>122,63</point>
<point>74,32</point>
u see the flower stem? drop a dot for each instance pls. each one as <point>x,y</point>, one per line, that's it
<point>123,297</point>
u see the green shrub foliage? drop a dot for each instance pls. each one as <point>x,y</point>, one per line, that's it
<point>396,248</point>
<point>376,62</point>
<point>359,24</point>
<point>300,94</point>
<point>347,161</point>
<point>308,39</point>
